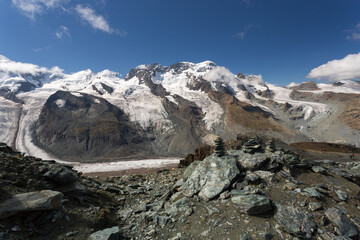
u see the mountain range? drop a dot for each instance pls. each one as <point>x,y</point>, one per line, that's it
<point>160,110</point>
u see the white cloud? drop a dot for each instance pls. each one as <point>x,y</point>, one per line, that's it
<point>97,22</point>
<point>62,32</point>
<point>346,68</point>
<point>246,29</point>
<point>354,33</point>
<point>33,7</point>
<point>12,67</point>
<point>219,74</point>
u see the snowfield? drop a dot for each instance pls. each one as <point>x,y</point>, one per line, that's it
<point>124,165</point>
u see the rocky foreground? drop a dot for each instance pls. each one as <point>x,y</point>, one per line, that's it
<point>255,191</point>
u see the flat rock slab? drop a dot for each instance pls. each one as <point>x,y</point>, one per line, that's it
<point>338,218</point>
<point>31,201</point>
<point>211,177</point>
<point>295,221</point>
<point>252,204</point>
<point>106,234</point>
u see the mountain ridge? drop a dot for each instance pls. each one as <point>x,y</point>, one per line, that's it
<point>184,104</point>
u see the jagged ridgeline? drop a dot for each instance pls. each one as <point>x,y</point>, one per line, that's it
<point>160,110</point>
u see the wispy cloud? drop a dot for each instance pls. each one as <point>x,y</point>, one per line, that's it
<point>346,68</point>
<point>31,8</point>
<point>96,21</point>
<point>354,33</point>
<point>62,32</point>
<point>246,30</point>
<point>40,49</point>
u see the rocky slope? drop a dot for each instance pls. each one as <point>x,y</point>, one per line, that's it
<point>163,110</point>
<point>258,190</point>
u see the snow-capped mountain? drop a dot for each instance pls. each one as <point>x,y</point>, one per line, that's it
<point>163,110</point>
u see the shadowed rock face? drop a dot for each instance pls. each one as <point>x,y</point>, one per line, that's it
<point>86,126</point>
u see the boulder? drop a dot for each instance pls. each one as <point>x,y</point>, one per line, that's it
<point>266,176</point>
<point>190,169</point>
<point>252,204</point>
<point>338,218</point>
<point>31,201</point>
<point>106,234</point>
<point>295,221</point>
<point>253,162</point>
<point>61,174</point>
<point>211,177</point>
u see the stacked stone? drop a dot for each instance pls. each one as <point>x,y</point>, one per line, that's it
<point>270,146</point>
<point>219,147</point>
<point>251,146</point>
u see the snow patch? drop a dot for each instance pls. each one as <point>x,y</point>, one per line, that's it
<point>172,99</point>
<point>76,94</point>
<point>60,103</point>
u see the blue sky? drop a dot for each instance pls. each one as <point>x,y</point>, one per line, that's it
<point>284,40</point>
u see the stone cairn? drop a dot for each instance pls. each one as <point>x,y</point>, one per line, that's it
<point>219,147</point>
<point>251,146</point>
<point>270,145</point>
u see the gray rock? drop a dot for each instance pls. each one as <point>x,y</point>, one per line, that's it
<point>313,206</point>
<point>190,169</point>
<point>224,195</point>
<point>253,162</point>
<point>205,233</point>
<point>181,205</point>
<point>142,207</point>
<point>266,176</point>
<point>156,206</point>
<point>211,177</point>
<point>318,169</point>
<point>295,221</point>
<point>312,192</point>
<point>338,218</point>
<point>252,204</point>
<point>341,195</point>
<point>31,201</point>
<point>161,220</point>
<point>212,210</point>
<point>106,234</point>
<point>61,174</point>
<point>124,214</point>
<point>291,159</point>
<point>251,177</point>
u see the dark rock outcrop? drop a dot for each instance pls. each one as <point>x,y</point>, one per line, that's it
<point>87,127</point>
